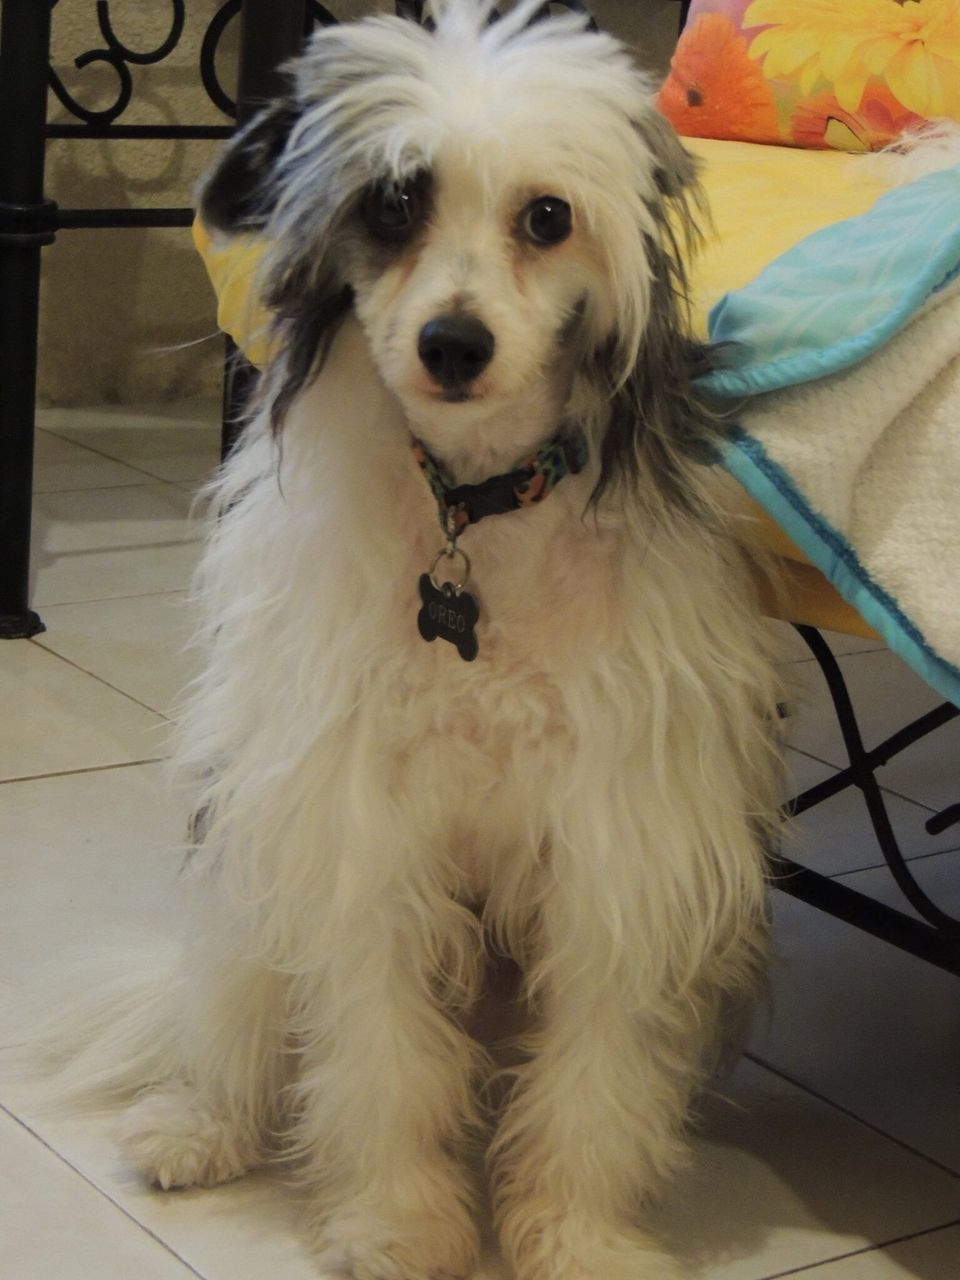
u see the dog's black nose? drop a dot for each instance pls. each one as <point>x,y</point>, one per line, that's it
<point>455,349</point>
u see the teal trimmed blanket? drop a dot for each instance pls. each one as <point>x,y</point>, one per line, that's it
<point>844,379</point>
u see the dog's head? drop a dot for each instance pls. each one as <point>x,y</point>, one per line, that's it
<point>503,209</point>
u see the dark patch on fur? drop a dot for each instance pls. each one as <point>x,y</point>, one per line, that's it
<point>304,290</point>
<point>306,327</point>
<point>238,195</point>
<point>305,284</point>
<point>412,10</point>
<point>569,331</point>
<point>676,171</point>
<point>658,420</point>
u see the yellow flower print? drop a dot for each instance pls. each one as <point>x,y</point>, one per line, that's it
<point>912,45</point>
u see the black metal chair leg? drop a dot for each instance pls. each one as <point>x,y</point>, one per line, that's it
<point>863,764</point>
<point>935,937</point>
<point>26,225</point>
<point>865,913</point>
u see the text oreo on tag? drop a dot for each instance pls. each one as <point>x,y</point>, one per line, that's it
<point>449,615</point>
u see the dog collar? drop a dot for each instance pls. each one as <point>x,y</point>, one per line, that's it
<point>525,486</point>
<point>446,609</point>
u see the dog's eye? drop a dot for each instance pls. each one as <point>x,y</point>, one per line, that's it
<point>547,220</point>
<point>392,213</point>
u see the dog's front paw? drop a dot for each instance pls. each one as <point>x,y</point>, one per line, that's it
<point>566,1248</point>
<point>175,1140</point>
<point>371,1246</point>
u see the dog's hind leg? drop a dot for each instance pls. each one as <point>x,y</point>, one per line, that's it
<point>215,1119</point>
<point>177,1136</point>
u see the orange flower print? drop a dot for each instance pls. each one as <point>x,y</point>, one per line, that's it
<point>879,120</point>
<point>714,90</point>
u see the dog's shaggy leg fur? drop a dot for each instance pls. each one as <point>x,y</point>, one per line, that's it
<point>596,1123</point>
<point>180,1133</point>
<point>598,1111</point>
<point>383,1098</point>
<point>176,1137</point>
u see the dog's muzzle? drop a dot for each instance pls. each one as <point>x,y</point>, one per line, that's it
<point>455,349</point>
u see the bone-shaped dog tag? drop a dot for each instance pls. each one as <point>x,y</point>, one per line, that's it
<point>450,614</point>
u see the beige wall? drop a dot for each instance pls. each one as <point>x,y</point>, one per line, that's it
<point>119,307</point>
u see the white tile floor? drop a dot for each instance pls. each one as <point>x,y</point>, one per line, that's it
<point>835,1151</point>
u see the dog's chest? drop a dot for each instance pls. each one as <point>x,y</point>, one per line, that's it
<point>539,590</point>
<point>537,620</point>
<point>481,741</point>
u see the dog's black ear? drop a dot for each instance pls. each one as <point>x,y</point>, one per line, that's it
<point>412,10</point>
<point>238,194</point>
<point>675,169</point>
<point>658,420</point>
<point>659,423</point>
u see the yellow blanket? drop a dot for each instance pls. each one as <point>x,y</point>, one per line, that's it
<point>763,200</point>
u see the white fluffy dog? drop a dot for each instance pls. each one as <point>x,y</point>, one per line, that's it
<point>484,673</point>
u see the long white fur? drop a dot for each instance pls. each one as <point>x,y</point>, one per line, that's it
<point>602,777</point>
<point>926,149</point>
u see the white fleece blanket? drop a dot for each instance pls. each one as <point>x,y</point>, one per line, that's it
<point>844,378</point>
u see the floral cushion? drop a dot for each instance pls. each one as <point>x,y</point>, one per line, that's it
<point>851,75</point>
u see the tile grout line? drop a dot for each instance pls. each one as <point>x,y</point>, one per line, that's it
<point>139,595</point>
<point>149,477</point>
<point>185,485</point>
<point>99,679</point>
<point>807,848</point>
<point>100,1191</point>
<point>146,482</point>
<point>98,453</point>
<point>883,866</point>
<point>851,1115</point>
<point>909,858</point>
<point>852,653</point>
<point>877,866</point>
<point>93,768</point>
<point>859,1253</point>
<point>838,768</point>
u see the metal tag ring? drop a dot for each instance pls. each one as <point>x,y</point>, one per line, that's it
<point>447,553</point>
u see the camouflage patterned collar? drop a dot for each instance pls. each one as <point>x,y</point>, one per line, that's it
<point>525,486</point>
